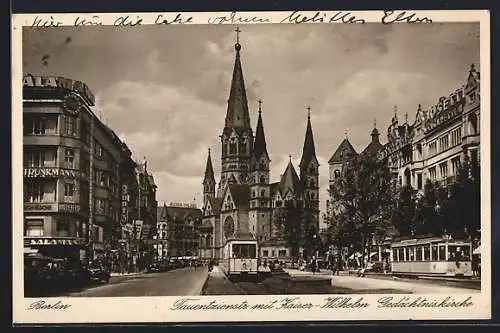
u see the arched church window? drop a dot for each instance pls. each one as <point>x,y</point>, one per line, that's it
<point>262,179</point>
<point>336,173</point>
<point>232,147</point>
<point>262,166</point>
<point>311,170</point>
<point>263,193</point>
<point>253,194</point>
<point>243,147</point>
<point>312,196</point>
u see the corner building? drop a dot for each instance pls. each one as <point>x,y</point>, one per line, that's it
<point>71,171</point>
<point>243,203</point>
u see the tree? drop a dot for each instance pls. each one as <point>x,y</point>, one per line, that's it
<point>462,208</point>
<point>426,211</point>
<point>403,214</point>
<point>289,224</point>
<point>362,201</point>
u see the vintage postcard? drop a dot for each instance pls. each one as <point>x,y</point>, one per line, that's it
<point>251,166</point>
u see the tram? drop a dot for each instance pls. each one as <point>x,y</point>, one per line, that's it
<point>240,258</point>
<point>431,257</point>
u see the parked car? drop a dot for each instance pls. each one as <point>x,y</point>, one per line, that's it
<point>158,266</point>
<point>99,273</point>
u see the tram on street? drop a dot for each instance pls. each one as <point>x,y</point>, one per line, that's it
<point>431,257</point>
<point>240,258</point>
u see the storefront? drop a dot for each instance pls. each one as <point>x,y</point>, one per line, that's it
<point>71,249</point>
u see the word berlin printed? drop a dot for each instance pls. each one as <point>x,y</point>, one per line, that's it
<point>422,302</point>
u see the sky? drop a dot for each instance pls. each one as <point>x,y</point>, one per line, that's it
<point>164,89</point>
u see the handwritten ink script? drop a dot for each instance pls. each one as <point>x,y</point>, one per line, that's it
<point>45,305</point>
<point>333,302</point>
<point>295,17</point>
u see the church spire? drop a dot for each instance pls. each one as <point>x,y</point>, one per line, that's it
<point>308,151</point>
<point>260,147</point>
<point>209,170</point>
<point>237,109</point>
<point>375,134</point>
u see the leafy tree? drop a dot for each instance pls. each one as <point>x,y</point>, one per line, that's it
<point>361,197</point>
<point>461,210</point>
<point>403,214</point>
<point>427,220</point>
<point>289,224</point>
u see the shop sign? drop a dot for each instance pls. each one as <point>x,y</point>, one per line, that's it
<point>60,82</point>
<point>54,241</point>
<point>37,207</point>
<point>50,172</point>
<point>69,207</point>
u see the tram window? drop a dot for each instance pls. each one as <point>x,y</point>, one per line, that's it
<point>242,251</point>
<point>395,255</point>
<point>427,253</point>
<point>434,250</point>
<point>412,254</point>
<point>458,253</point>
<point>419,253</point>
<point>442,253</point>
<point>401,254</point>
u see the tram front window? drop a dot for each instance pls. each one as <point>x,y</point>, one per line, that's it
<point>458,253</point>
<point>244,251</point>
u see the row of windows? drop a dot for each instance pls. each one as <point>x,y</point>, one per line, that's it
<point>443,169</point>
<point>45,191</point>
<point>444,141</point>
<point>48,157</point>
<point>281,253</point>
<point>41,124</point>
<point>431,253</point>
<point>35,228</point>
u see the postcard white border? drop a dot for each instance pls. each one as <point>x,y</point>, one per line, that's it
<point>157,309</point>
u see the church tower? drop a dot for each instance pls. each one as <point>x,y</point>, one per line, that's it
<point>260,194</point>
<point>309,174</point>
<point>237,136</point>
<point>208,181</point>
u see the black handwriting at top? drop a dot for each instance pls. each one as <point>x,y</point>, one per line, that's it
<point>38,22</point>
<point>87,21</point>
<point>403,17</point>
<point>322,17</point>
<point>127,21</point>
<point>237,18</point>
<point>179,19</point>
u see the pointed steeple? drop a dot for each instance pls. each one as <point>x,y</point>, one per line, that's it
<point>237,107</point>
<point>308,151</point>
<point>259,147</point>
<point>375,134</point>
<point>209,171</point>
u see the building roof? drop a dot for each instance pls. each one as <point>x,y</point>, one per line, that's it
<point>216,204</point>
<point>308,150</point>
<point>344,149</point>
<point>240,194</point>
<point>374,146</point>
<point>182,213</point>
<point>237,115</point>
<point>290,180</point>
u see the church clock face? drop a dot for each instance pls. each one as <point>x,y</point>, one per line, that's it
<point>228,227</point>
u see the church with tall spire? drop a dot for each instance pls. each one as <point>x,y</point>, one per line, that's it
<point>242,204</point>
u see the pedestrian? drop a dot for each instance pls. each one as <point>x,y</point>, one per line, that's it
<point>314,264</point>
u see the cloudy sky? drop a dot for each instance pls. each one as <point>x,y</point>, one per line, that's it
<point>164,89</point>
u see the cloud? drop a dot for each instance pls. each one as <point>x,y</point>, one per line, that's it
<point>165,90</point>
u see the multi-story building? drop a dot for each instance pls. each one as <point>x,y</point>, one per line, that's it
<point>72,172</point>
<point>177,233</point>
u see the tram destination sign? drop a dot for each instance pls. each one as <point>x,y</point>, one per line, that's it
<point>51,172</point>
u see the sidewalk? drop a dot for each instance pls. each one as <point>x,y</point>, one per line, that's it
<point>126,274</point>
<point>367,283</point>
<point>218,284</point>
